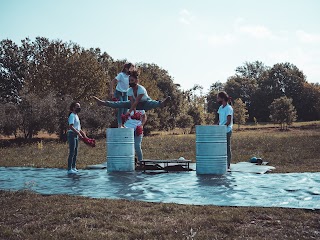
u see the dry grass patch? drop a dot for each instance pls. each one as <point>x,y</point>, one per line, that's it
<point>26,215</point>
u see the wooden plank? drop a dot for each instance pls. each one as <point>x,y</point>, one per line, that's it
<point>166,161</point>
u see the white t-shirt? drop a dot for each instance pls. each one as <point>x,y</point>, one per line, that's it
<point>134,123</point>
<point>74,119</point>
<point>123,82</point>
<point>223,113</point>
<point>141,90</point>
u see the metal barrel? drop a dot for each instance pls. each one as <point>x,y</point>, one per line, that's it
<point>120,150</point>
<point>211,149</point>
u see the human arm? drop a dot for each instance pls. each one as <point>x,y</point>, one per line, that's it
<point>228,120</point>
<point>83,134</point>
<point>134,103</point>
<point>99,101</point>
<point>71,127</point>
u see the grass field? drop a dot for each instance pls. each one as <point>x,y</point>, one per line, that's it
<point>32,216</point>
<point>26,215</point>
<point>293,151</point>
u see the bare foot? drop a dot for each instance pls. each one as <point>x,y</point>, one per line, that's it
<point>165,101</point>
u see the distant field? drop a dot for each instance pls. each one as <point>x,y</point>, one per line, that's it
<point>289,151</point>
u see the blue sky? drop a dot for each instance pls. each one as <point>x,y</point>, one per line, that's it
<point>198,42</point>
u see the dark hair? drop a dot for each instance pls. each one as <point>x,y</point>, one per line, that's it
<point>72,105</point>
<point>127,66</point>
<point>134,74</point>
<point>225,96</point>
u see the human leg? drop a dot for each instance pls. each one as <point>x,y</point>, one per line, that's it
<point>137,146</point>
<point>72,144</point>
<point>122,98</point>
<point>74,160</point>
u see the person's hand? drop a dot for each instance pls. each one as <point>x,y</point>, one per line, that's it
<point>111,95</point>
<point>127,114</point>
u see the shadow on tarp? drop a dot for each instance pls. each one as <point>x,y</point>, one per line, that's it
<point>292,190</point>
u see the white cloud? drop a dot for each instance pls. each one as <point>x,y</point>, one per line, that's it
<point>256,31</point>
<point>185,17</point>
<point>307,37</point>
<point>216,40</point>
<point>223,39</point>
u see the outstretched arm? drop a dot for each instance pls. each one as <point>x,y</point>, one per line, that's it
<point>99,101</point>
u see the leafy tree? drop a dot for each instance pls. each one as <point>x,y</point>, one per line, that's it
<point>33,114</point>
<point>252,70</point>
<point>283,112</point>
<point>245,85</point>
<point>185,122</point>
<point>95,119</point>
<point>12,71</point>
<point>211,98</point>
<point>310,102</point>
<point>240,112</point>
<point>284,79</point>
<point>151,124</point>
<point>9,119</point>
<point>210,118</point>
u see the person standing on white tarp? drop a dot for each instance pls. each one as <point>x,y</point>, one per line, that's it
<point>136,120</point>
<point>225,117</point>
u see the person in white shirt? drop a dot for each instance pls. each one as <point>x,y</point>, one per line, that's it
<point>136,120</point>
<point>74,133</point>
<point>122,85</point>
<point>138,97</point>
<point>225,113</point>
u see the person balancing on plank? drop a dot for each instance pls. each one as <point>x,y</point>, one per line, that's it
<point>138,97</point>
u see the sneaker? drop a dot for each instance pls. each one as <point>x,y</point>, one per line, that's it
<point>165,101</point>
<point>71,171</point>
<point>75,169</point>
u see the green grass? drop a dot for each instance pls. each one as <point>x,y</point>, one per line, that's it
<point>292,151</point>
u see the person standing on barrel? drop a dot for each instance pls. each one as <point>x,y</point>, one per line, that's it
<point>225,117</point>
<point>120,93</point>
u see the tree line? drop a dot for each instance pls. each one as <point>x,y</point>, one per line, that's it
<point>40,78</point>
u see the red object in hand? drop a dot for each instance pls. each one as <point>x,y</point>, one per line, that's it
<point>139,130</point>
<point>136,116</point>
<point>89,141</point>
<point>115,99</point>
